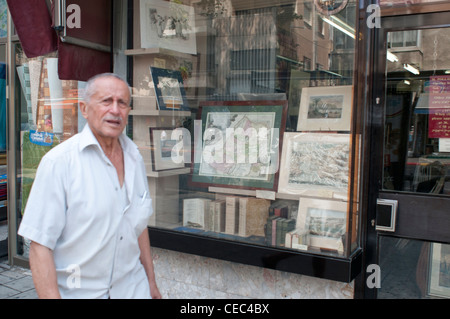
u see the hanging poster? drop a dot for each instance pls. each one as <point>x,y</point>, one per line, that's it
<point>439,106</point>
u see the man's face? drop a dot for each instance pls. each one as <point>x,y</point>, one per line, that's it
<point>108,108</point>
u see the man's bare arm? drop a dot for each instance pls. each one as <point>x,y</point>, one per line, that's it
<point>42,267</point>
<point>147,262</point>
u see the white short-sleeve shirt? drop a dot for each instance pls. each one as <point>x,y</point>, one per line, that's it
<point>76,208</point>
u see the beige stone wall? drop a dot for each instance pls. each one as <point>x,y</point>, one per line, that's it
<point>193,277</point>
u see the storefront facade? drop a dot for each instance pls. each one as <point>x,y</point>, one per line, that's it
<point>294,149</point>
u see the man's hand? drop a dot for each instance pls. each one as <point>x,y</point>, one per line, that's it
<point>154,291</point>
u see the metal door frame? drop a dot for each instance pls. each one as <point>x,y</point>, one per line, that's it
<point>375,130</point>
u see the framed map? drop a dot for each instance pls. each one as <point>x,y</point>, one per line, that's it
<point>240,144</point>
<point>315,164</point>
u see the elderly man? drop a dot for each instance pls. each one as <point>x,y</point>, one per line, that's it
<point>87,213</point>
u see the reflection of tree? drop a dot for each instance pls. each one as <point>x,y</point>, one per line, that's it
<point>212,8</point>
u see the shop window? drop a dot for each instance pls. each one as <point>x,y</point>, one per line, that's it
<point>244,124</point>
<point>266,136</point>
<point>48,114</point>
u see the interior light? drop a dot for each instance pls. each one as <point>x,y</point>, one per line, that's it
<point>341,28</point>
<point>391,57</point>
<point>411,69</point>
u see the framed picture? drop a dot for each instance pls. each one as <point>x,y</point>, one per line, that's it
<point>325,108</point>
<point>170,93</point>
<point>167,148</point>
<point>239,144</point>
<point>315,164</point>
<point>167,25</point>
<point>439,278</point>
<point>325,222</point>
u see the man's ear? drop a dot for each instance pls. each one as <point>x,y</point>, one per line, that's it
<point>83,109</point>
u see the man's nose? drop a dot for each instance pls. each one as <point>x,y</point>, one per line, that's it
<point>114,107</point>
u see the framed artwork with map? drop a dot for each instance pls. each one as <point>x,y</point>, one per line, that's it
<point>239,143</point>
<point>315,164</point>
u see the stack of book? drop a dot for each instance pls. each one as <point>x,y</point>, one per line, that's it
<point>284,208</point>
<point>231,214</point>
<point>205,214</point>
<point>216,216</point>
<point>276,229</point>
<point>234,215</point>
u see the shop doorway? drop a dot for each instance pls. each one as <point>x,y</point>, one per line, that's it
<point>408,237</point>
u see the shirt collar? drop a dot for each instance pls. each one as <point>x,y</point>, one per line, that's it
<point>88,138</point>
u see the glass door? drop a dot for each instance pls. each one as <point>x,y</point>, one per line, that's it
<point>409,205</point>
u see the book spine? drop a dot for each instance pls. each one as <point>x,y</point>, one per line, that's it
<point>242,216</point>
<point>220,211</point>
<point>232,221</point>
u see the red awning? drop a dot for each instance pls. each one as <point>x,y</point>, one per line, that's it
<point>77,61</point>
<point>33,26</point>
<point>80,62</point>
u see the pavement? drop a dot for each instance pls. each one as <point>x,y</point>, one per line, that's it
<point>15,282</point>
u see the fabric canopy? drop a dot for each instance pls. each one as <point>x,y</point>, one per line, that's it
<point>33,26</point>
<point>81,63</point>
<point>78,63</point>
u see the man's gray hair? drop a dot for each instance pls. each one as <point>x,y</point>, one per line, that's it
<point>89,90</point>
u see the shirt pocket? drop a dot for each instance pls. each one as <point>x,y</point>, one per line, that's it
<point>139,213</point>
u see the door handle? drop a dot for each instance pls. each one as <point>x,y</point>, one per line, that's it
<point>386,215</point>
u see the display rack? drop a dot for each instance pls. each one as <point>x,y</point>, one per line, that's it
<point>163,185</point>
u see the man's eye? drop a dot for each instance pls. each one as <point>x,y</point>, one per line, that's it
<point>123,104</point>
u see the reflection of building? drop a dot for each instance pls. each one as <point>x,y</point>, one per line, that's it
<point>257,50</point>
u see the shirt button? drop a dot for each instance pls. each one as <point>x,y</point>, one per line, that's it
<point>121,237</point>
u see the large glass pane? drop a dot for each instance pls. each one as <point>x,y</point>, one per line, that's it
<point>257,99</point>
<point>46,114</point>
<point>412,269</point>
<point>417,118</point>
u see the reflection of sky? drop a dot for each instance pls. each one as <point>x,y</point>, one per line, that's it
<point>3,19</point>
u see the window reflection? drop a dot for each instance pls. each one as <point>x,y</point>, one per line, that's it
<point>417,112</point>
